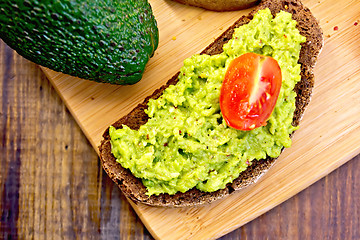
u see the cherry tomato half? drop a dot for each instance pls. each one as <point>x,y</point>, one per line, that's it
<point>250,90</point>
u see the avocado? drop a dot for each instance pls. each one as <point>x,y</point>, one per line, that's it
<point>107,41</point>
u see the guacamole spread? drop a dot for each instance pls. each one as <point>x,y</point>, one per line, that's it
<point>186,142</point>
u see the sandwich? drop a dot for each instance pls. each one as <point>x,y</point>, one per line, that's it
<point>178,147</point>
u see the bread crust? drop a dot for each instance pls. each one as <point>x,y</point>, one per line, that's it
<point>220,5</point>
<point>133,188</point>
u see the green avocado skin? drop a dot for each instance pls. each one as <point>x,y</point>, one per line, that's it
<point>107,41</point>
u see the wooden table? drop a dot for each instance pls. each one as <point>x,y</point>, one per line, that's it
<point>53,187</point>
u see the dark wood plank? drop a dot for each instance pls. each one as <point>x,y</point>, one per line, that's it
<point>329,209</point>
<point>52,185</point>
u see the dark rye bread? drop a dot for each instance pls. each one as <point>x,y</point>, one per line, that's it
<point>133,187</point>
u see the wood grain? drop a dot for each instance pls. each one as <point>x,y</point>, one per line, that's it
<point>68,196</point>
<point>51,183</point>
<point>328,137</point>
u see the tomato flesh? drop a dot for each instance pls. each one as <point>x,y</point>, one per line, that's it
<point>250,90</point>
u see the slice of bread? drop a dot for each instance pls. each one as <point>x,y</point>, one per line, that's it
<point>220,5</point>
<point>133,187</point>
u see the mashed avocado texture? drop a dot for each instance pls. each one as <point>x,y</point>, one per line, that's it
<point>186,142</point>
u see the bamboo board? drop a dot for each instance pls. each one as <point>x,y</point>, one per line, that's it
<point>329,133</point>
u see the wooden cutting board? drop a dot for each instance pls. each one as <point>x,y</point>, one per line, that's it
<point>329,134</point>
